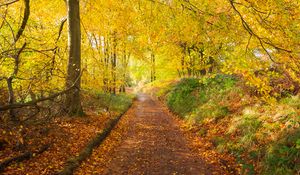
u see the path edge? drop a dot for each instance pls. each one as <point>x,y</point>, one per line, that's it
<point>74,162</point>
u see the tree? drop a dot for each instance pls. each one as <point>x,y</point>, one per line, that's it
<point>73,102</point>
<point>13,52</point>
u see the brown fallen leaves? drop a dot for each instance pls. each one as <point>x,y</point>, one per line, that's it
<point>66,136</point>
<point>147,140</point>
<point>222,163</point>
<point>101,156</point>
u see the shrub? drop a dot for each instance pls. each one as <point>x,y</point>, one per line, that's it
<point>265,135</point>
<point>180,99</point>
<point>199,99</point>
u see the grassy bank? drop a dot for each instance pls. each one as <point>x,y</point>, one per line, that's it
<point>265,138</point>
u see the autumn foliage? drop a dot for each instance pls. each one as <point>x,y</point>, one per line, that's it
<point>56,54</point>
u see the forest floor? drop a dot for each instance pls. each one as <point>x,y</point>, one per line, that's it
<point>66,136</point>
<point>149,140</point>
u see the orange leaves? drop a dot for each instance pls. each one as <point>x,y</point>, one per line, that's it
<point>66,136</point>
<point>102,155</point>
<point>148,139</point>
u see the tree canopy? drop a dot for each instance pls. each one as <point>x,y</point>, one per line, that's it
<point>131,40</point>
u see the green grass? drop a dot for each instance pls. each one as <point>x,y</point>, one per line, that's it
<point>266,134</point>
<point>293,101</point>
<point>180,99</point>
<point>116,103</point>
<point>198,99</point>
<point>270,135</point>
<point>106,102</point>
<point>283,156</point>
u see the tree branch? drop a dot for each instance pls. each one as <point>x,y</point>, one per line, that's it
<point>61,27</point>
<point>261,40</point>
<point>24,21</point>
<point>8,3</point>
<point>34,102</point>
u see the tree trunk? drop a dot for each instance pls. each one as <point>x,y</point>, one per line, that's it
<point>73,102</point>
<point>11,99</point>
<point>189,68</point>
<point>11,94</point>
<point>182,66</point>
<point>114,65</point>
<point>106,58</point>
<point>153,67</point>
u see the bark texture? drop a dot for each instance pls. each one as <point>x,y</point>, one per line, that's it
<point>73,102</point>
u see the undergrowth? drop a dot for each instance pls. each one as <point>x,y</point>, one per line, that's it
<point>265,138</point>
<point>117,103</point>
<point>105,102</point>
<point>192,99</point>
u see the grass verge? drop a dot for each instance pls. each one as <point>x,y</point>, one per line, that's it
<point>265,138</point>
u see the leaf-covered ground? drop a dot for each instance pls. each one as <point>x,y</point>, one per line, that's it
<point>148,140</point>
<point>66,136</point>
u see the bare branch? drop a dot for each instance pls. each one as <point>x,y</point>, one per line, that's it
<point>11,29</point>
<point>4,17</point>
<point>17,61</point>
<point>8,3</point>
<point>3,78</point>
<point>261,40</point>
<point>34,102</point>
<point>61,27</point>
<point>247,47</point>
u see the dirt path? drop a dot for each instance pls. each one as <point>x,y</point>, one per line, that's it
<point>147,141</point>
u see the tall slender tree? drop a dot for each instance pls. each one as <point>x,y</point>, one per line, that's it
<point>73,102</point>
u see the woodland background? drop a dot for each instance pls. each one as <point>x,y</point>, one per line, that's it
<point>242,55</point>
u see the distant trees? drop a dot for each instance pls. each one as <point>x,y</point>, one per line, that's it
<point>236,37</point>
<point>159,39</point>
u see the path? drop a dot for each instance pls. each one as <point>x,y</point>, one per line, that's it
<point>152,144</point>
